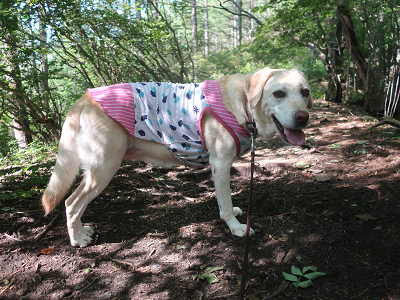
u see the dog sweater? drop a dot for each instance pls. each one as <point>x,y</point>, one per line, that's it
<point>170,114</point>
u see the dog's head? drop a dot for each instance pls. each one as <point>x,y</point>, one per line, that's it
<point>279,100</point>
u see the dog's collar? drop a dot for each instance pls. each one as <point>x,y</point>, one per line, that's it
<point>251,123</point>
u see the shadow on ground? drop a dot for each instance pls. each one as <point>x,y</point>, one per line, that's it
<point>334,206</point>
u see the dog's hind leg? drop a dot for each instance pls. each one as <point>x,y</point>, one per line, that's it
<point>101,147</point>
<point>79,235</point>
<point>96,179</point>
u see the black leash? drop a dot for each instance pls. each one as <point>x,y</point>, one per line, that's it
<point>253,132</point>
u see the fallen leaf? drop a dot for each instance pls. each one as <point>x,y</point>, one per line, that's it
<point>208,275</point>
<point>210,269</point>
<point>284,238</point>
<point>190,286</point>
<point>366,217</point>
<point>198,295</point>
<point>315,171</point>
<point>322,177</point>
<point>45,251</point>
<point>302,165</point>
<point>212,278</point>
<point>334,146</point>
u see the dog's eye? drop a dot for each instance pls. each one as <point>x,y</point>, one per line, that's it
<point>279,94</point>
<point>305,92</point>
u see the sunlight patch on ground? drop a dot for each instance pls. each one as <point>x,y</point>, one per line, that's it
<point>195,229</point>
<point>282,256</point>
<point>312,238</point>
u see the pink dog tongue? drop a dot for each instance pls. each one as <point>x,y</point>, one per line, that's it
<point>295,136</point>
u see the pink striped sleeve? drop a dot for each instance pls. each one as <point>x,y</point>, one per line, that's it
<point>214,97</point>
<point>118,102</point>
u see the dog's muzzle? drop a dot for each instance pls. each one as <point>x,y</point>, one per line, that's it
<point>293,136</point>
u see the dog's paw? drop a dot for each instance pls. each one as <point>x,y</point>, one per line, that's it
<point>84,237</point>
<point>237,211</point>
<point>87,230</point>
<point>240,230</point>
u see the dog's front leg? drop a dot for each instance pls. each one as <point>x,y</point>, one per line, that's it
<point>228,213</point>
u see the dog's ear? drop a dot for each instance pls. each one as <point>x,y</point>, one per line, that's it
<point>255,84</point>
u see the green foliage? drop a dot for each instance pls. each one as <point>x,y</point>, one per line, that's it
<point>95,43</point>
<point>226,62</point>
<point>5,140</point>
<point>36,152</point>
<point>285,54</point>
<point>297,277</point>
<point>318,25</point>
<point>208,274</point>
<point>261,53</point>
<point>27,181</point>
<point>24,183</point>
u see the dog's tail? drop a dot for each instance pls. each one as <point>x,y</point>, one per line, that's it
<point>67,163</point>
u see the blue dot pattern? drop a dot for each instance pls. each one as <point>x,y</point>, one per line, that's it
<point>169,113</point>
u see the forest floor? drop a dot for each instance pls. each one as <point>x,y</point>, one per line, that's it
<point>334,206</point>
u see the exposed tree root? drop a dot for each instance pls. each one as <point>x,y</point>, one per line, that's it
<point>393,122</point>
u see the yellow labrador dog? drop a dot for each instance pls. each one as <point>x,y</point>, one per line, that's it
<point>208,123</point>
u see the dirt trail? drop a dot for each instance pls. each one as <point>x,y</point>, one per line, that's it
<point>334,206</point>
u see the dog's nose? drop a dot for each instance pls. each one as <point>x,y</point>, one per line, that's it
<point>301,117</point>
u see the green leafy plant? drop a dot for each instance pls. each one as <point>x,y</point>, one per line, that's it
<point>36,152</point>
<point>303,278</point>
<point>9,209</point>
<point>334,146</point>
<point>361,151</point>
<point>208,274</point>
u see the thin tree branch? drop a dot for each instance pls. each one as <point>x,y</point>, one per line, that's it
<point>244,13</point>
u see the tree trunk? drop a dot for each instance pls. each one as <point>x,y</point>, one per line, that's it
<point>375,91</point>
<point>334,90</point>
<point>194,26</point>
<point>138,9</point>
<point>356,54</point>
<point>337,60</point>
<point>23,139</point>
<point>206,42</point>
<point>22,108</point>
<point>44,69</point>
<point>239,23</point>
<point>20,121</point>
<point>251,25</point>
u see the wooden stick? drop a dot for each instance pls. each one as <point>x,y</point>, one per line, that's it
<point>124,262</point>
<point>48,227</point>
<point>11,237</point>
<point>86,287</point>
<point>10,284</point>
